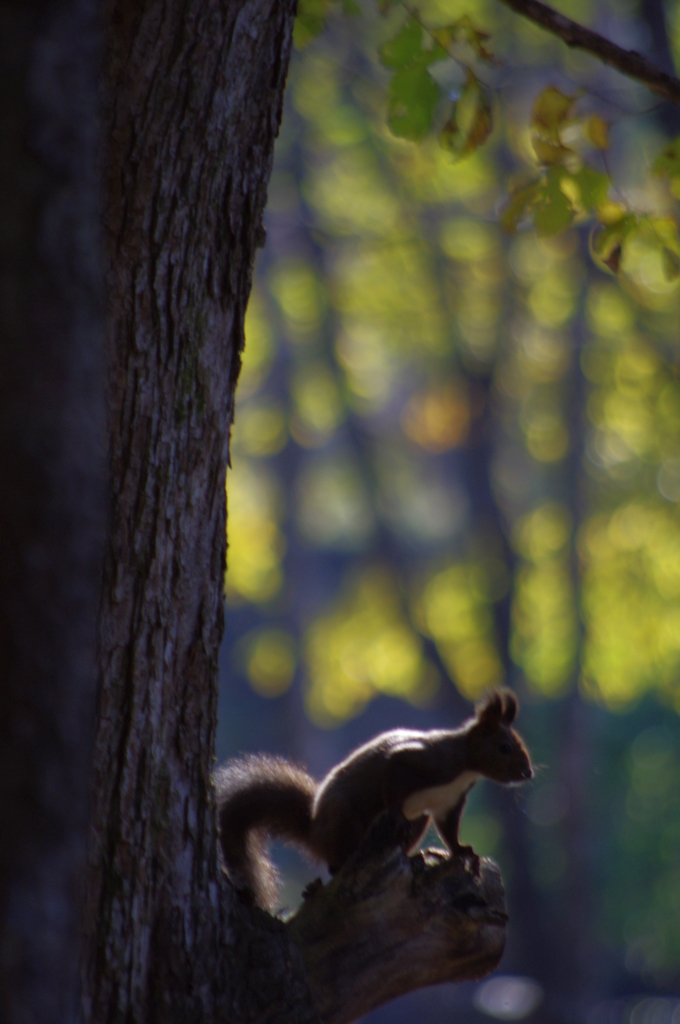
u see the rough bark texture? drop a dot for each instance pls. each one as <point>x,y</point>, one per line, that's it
<point>52,498</point>
<point>193,94</point>
<point>388,924</point>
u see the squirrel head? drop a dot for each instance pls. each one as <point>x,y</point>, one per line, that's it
<point>496,750</point>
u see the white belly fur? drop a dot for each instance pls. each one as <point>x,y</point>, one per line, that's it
<point>438,799</point>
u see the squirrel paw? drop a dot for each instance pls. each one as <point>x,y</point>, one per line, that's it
<point>468,854</point>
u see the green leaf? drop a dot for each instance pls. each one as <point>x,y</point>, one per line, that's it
<point>586,189</point>
<point>470,123</point>
<point>411,101</point>
<point>606,243</point>
<point>551,110</point>
<point>667,164</point>
<point>463,30</point>
<point>671,264</point>
<point>405,48</point>
<point>593,186</point>
<point>556,199</point>
<point>554,211</point>
<point>549,151</point>
<point>596,131</point>
<point>310,21</point>
<point>519,205</point>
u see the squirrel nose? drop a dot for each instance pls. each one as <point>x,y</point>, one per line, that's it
<point>528,772</point>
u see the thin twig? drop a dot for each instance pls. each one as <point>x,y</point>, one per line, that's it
<point>628,62</point>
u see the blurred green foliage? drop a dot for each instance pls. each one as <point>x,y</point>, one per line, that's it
<point>415,298</point>
<point>476,431</point>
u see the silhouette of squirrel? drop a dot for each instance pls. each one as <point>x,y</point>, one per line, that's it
<point>415,775</point>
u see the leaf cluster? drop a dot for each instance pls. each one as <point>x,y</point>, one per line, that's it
<point>414,95</point>
<point>569,191</point>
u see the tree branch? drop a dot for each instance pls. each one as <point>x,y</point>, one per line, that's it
<point>628,62</point>
<point>387,924</point>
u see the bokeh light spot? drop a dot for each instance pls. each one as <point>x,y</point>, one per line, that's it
<point>508,998</point>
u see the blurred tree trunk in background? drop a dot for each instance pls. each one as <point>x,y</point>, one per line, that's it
<point>52,498</point>
<point>193,95</point>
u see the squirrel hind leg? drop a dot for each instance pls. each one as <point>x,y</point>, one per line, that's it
<point>408,836</point>
<point>413,832</point>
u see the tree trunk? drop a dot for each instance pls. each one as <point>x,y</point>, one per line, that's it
<point>52,498</point>
<point>193,95</point>
<point>193,92</point>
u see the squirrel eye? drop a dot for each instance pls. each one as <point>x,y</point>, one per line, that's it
<point>506,748</point>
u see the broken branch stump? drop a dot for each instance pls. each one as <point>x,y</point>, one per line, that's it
<point>387,924</point>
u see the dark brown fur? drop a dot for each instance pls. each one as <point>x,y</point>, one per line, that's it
<point>262,797</point>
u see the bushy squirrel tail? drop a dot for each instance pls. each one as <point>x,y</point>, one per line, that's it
<point>259,798</point>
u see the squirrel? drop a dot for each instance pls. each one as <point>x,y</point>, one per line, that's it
<point>415,775</point>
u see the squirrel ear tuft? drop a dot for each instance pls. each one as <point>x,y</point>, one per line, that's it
<point>489,710</point>
<point>509,707</point>
<point>496,707</point>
